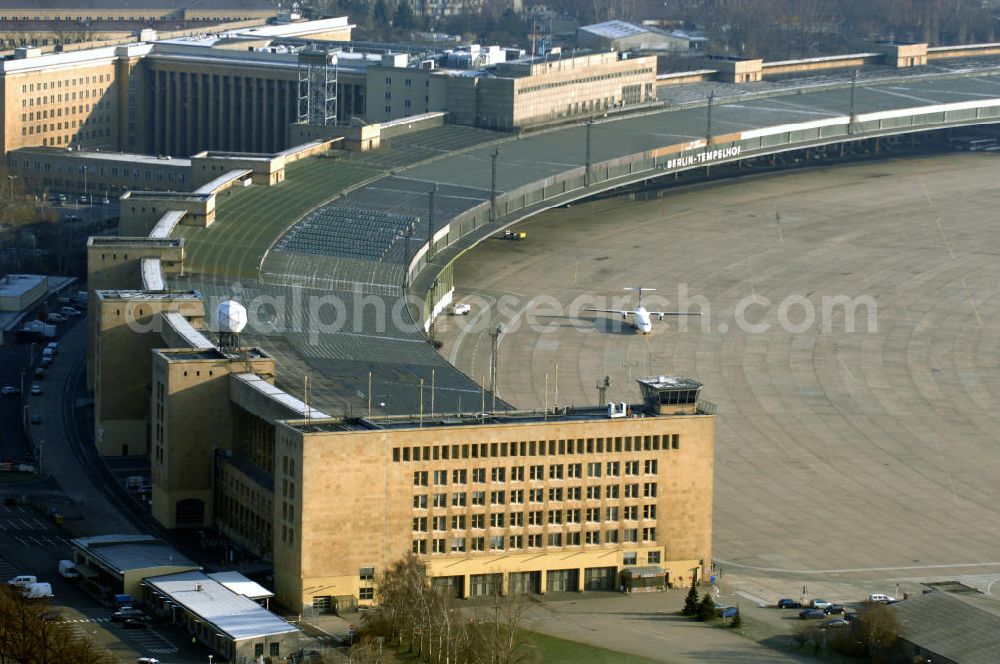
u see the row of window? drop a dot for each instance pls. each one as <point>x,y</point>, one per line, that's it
<point>69,124</point>
<point>45,114</point>
<point>535,518</point>
<point>557,539</point>
<point>68,139</point>
<point>522,448</point>
<point>538,472</point>
<point>586,79</point>
<point>536,495</point>
<point>71,82</point>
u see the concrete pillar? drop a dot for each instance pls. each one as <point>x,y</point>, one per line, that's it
<point>189,118</point>
<point>581,580</point>
<point>244,134</point>
<point>168,107</point>
<point>178,130</point>
<point>504,584</point>
<point>157,112</point>
<point>276,141</point>
<point>201,112</point>
<point>232,103</point>
<point>543,580</point>
<point>465,586</point>
<point>122,70</point>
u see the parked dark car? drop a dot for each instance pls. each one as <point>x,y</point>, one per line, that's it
<point>121,615</point>
<point>833,609</point>
<point>835,623</point>
<point>789,604</point>
<point>808,614</point>
<point>135,623</point>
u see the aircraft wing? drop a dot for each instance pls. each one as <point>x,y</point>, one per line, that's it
<point>661,314</point>
<point>620,312</point>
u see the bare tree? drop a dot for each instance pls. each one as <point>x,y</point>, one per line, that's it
<point>412,612</point>
<point>879,628</point>
<point>26,637</point>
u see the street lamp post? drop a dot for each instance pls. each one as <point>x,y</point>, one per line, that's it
<point>11,178</point>
<point>854,84</point>
<point>708,128</point>
<point>493,186</point>
<point>586,173</point>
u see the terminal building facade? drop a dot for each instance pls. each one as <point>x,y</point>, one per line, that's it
<point>523,502</point>
<point>242,90</point>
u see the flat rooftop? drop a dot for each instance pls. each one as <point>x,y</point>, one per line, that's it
<point>194,354</point>
<point>670,383</point>
<point>148,295</point>
<point>115,241</point>
<point>135,5</point>
<point>16,285</point>
<point>241,585</point>
<point>123,553</point>
<point>168,195</point>
<point>563,414</point>
<point>125,157</point>
<point>229,612</point>
<point>616,29</point>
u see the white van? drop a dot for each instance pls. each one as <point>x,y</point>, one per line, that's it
<point>38,591</point>
<point>879,598</point>
<point>68,570</point>
<point>23,581</point>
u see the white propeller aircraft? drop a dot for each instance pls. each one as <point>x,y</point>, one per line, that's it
<point>642,320</point>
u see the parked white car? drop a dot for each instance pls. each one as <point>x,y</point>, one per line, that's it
<point>23,581</point>
<point>460,309</point>
<point>879,598</point>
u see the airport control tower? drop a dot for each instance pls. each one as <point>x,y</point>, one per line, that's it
<point>669,395</point>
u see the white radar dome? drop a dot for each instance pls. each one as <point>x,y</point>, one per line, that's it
<point>232,317</point>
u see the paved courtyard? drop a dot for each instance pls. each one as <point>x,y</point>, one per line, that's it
<point>851,458</point>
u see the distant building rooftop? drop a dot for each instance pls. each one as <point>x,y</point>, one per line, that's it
<point>148,295</point>
<point>207,354</point>
<point>123,553</point>
<point>17,285</point>
<point>229,612</point>
<point>944,626</point>
<point>137,5</point>
<point>616,29</point>
<point>116,241</point>
<point>95,155</point>
<point>241,585</point>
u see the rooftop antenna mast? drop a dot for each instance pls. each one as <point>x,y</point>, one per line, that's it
<point>494,347</point>
<point>602,389</point>
<point>305,397</point>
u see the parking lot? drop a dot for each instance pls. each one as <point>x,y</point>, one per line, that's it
<point>20,524</point>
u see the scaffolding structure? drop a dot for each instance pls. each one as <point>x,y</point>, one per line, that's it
<point>318,87</point>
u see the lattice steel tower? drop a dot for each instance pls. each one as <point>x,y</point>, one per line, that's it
<point>318,86</point>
